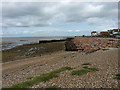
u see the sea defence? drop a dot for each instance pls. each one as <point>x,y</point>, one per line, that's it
<point>69,45</point>
<point>90,44</point>
<point>49,41</point>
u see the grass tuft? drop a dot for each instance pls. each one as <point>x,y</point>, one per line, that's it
<point>84,71</point>
<point>117,76</point>
<point>86,64</point>
<point>40,78</point>
<point>80,72</point>
<point>93,69</point>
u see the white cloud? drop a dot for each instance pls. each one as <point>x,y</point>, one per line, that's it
<point>44,14</point>
<point>74,31</point>
<point>70,30</point>
<point>77,30</point>
<point>23,32</point>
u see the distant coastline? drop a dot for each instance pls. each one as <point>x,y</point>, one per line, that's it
<point>39,47</point>
<point>11,42</point>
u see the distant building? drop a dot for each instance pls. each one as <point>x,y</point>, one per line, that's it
<point>116,31</point>
<point>94,33</point>
<point>105,33</point>
<point>109,33</point>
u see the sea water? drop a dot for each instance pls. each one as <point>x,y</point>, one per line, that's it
<point>10,42</point>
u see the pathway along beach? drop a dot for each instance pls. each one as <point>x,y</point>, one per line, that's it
<point>105,61</point>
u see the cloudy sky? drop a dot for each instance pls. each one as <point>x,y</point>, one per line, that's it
<point>57,18</point>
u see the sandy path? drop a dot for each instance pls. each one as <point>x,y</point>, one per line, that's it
<point>106,61</point>
<point>13,66</point>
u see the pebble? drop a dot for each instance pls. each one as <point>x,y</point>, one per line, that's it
<point>106,62</point>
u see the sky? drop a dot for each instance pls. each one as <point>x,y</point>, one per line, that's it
<point>27,19</point>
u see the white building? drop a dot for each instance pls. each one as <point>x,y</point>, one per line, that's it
<point>94,33</point>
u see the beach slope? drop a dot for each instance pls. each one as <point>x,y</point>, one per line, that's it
<point>106,61</point>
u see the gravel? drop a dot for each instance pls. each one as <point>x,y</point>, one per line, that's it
<point>106,61</point>
<point>91,44</point>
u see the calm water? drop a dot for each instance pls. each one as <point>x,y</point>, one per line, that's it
<point>8,43</point>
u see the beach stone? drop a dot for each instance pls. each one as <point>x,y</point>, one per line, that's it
<point>89,44</point>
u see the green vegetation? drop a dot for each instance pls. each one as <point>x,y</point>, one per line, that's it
<point>41,78</point>
<point>51,88</point>
<point>31,50</point>
<point>86,64</point>
<point>84,71</point>
<point>117,76</point>
<point>80,72</point>
<point>92,69</point>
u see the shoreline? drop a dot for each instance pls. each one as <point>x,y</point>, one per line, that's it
<point>32,50</point>
<point>6,45</point>
<point>83,44</point>
<point>46,41</point>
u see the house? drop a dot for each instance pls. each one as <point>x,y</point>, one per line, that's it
<point>116,31</point>
<point>94,33</point>
<point>104,33</point>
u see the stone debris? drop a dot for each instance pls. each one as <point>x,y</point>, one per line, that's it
<point>91,44</point>
<point>31,51</point>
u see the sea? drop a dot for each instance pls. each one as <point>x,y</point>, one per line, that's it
<point>11,42</point>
